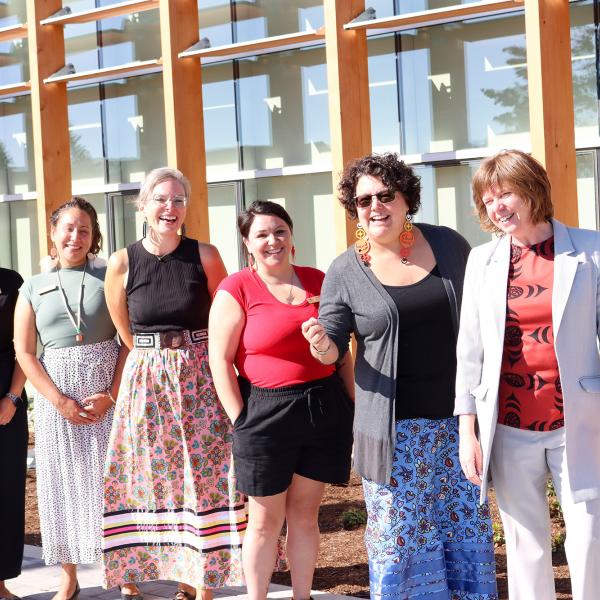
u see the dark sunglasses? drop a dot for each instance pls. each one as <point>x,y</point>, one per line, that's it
<point>365,200</point>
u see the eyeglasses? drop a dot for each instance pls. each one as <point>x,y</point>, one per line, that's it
<point>176,201</point>
<point>365,200</point>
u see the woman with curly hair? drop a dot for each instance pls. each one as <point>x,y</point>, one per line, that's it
<point>399,292</point>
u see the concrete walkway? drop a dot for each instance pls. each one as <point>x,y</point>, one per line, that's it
<point>39,582</point>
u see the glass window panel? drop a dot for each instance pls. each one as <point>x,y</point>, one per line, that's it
<point>222,214</point>
<point>127,219</point>
<point>18,237</point>
<point>310,202</point>
<point>126,129</point>
<point>583,53</point>
<point>17,169</point>
<point>464,85</point>
<point>215,20</point>
<point>255,19</point>
<point>14,61</point>
<point>12,12</point>
<point>113,41</point>
<point>446,199</point>
<point>587,190</point>
<point>220,129</point>
<point>383,93</point>
<point>284,116</point>
<point>408,6</point>
<point>85,132</point>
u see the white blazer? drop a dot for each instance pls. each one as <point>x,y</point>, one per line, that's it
<point>576,325</point>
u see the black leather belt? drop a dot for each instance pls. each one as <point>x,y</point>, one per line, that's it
<point>170,339</point>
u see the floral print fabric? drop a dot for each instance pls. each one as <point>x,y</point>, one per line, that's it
<point>427,537</point>
<point>171,510</point>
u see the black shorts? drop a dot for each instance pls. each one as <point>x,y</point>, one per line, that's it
<point>304,429</point>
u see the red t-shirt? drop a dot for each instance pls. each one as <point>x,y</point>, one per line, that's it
<point>530,393</point>
<point>272,351</point>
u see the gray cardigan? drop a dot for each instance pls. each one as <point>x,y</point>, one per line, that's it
<point>354,301</point>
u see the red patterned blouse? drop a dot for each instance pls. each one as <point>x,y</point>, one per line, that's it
<point>530,394</point>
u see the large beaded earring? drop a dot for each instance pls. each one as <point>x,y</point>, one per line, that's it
<point>407,239</point>
<point>362,244</point>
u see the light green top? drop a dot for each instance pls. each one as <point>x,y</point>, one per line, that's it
<point>52,322</point>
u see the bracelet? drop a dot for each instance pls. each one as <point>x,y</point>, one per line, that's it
<point>16,400</point>
<point>322,352</point>
<point>110,396</point>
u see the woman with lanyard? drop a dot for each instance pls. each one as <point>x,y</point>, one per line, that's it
<point>171,510</point>
<point>76,379</point>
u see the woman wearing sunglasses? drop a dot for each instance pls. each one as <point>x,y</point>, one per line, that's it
<point>399,292</point>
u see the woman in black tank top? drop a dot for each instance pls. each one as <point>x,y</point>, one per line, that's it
<point>171,510</point>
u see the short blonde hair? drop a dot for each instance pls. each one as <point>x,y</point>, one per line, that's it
<point>157,176</point>
<point>517,172</point>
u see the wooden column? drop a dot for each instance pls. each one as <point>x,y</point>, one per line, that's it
<point>49,115</point>
<point>184,123</point>
<point>349,110</point>
<point>551,100</point>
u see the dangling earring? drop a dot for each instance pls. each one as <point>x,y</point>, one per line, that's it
<point>183,231</point>
<point>407,239</point>
<point>293,253</point>
<point>144,228</point>
<point>362,244</point>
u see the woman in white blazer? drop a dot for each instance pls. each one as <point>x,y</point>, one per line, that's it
<point>528,375</point>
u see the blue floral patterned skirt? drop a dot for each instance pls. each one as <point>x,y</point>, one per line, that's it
<point>427,537</point>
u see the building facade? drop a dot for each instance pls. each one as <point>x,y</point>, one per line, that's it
<point>267,99</point>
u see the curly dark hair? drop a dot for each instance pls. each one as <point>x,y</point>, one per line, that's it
<point>86,207</point>
<point>396,175</point>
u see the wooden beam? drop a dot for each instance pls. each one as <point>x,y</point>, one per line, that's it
<point>184,123</point>
<point>13,32</point>
<point>134,68</point>
<point>49,115</point>
<point>437,15</point>
<point>349,112</point>
<point>14,88</point>
<point>551,116</point>
<point>274,43</point>
<point>103,12</point>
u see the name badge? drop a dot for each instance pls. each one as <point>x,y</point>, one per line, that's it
<point>313,299</point>
<point>47,289</point>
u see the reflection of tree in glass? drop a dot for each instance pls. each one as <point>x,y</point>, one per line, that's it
<point>516,98</point>
<point>5,162</point>
<point>79,153</point>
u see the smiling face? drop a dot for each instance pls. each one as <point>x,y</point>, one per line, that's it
<point>269,241</point>
<point>508,211</point>
<point>383,222</point>
<point>166,214</point>
<point>72,237</point>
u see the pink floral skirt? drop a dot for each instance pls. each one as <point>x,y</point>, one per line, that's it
<point>171,510</point>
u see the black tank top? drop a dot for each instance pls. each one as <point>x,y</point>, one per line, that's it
<point>426,349</point>
<point>168,293</point>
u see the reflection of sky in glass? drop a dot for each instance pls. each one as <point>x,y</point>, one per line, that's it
<point>255,113</point>
<point>13,140</point>
<point>310,18</point>
<point>251,29</point>
<point>12,12</point>
<point>85,129</point>
<point>214,17</point>
<point>122,124</point>
<point>315,104</point>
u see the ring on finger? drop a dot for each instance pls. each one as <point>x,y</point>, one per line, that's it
<point>83,414</point>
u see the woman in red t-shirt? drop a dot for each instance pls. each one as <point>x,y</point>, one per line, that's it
<point>292,417</point>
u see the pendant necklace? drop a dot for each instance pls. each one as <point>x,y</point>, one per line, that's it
<point>76,324</point>
<point>290,297</point>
